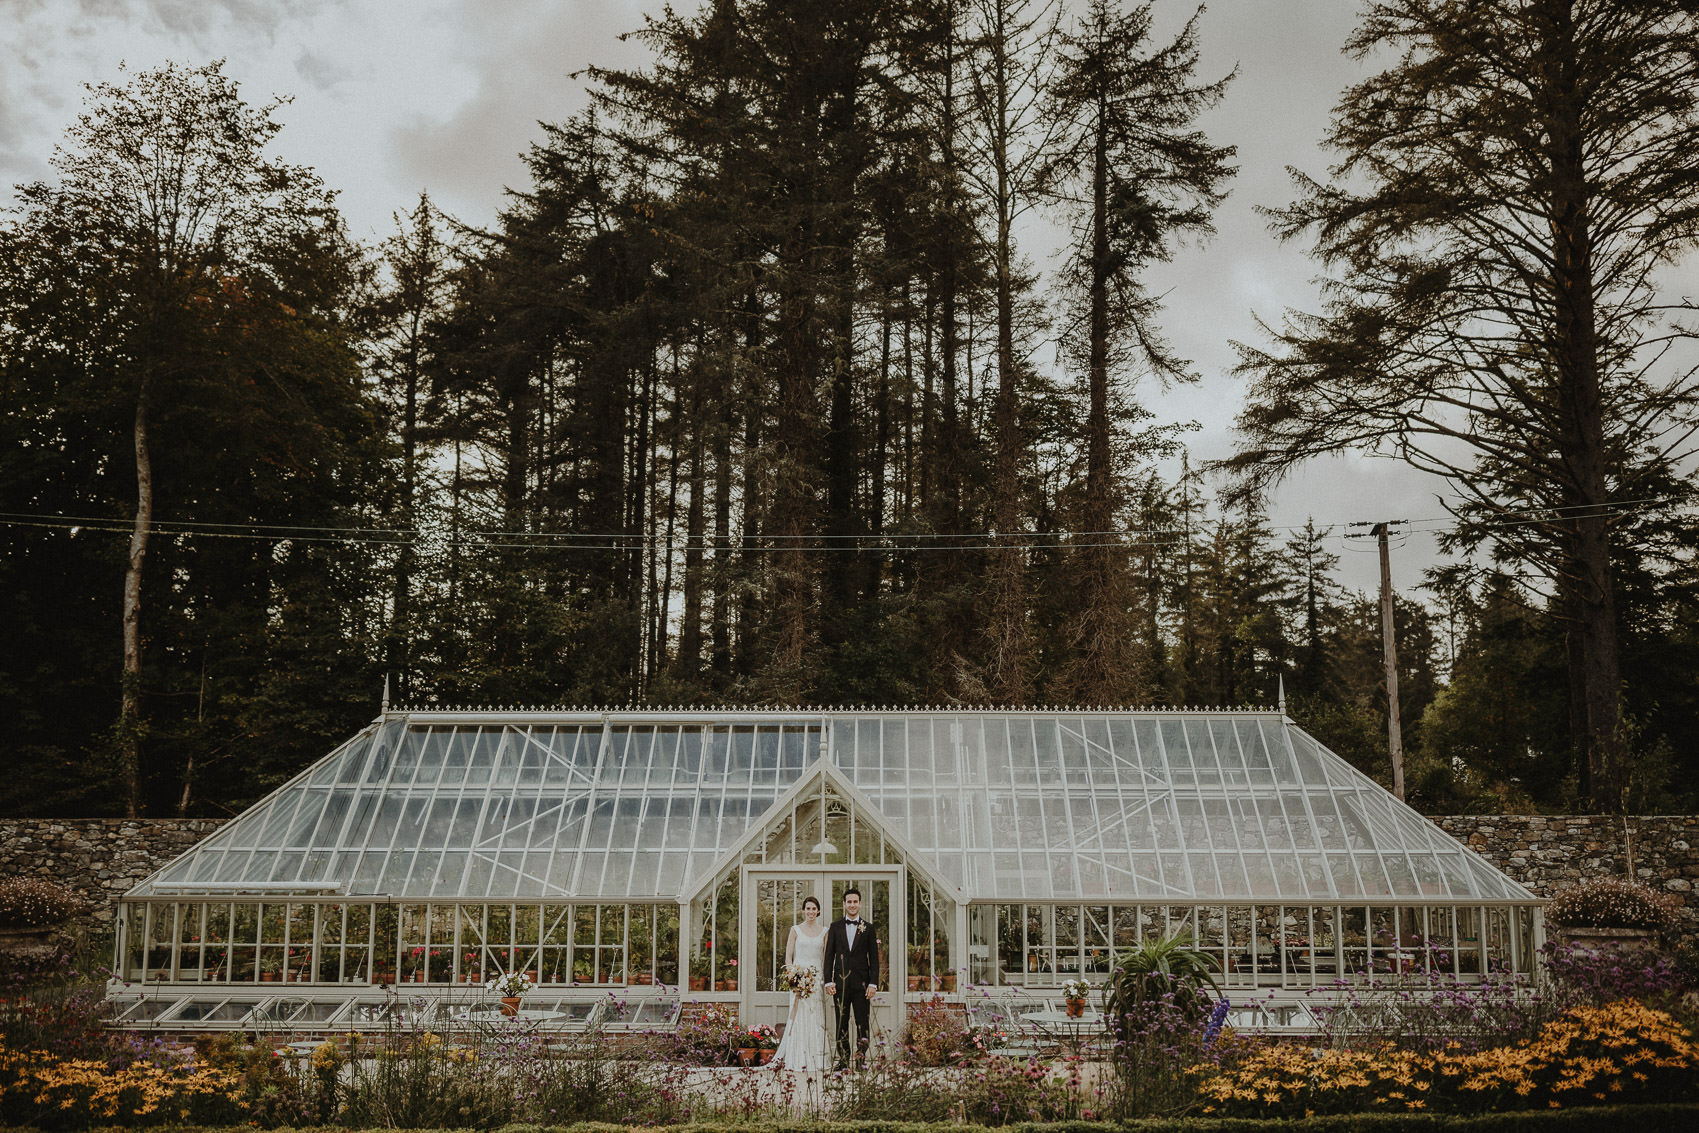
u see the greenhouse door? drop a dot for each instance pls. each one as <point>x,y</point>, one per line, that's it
<point>772,903</point>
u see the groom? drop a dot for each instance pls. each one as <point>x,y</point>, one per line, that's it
<point>852,964</point>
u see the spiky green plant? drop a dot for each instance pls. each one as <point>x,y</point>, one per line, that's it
<point>1171,966</point>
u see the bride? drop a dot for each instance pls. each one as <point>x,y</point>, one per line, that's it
<point>804,1045</point>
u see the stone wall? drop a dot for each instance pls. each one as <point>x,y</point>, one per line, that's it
<point>100,858</point>
<point>1549,852</point>
<point>104,857</point>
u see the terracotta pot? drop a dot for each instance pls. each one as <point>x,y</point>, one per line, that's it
<point>765,1056</point>
<point>731,985</point>
<point>268,977</point>
<point>698,983</point>
<point>510,1004</point>
<point>914,982</point>
<point>746,1055</point>
<point>1076,1007</point>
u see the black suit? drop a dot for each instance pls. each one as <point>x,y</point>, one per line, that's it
<point>852,967</point>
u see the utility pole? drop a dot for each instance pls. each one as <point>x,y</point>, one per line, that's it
<point>1389,650</point>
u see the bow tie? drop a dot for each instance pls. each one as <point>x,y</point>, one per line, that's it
<point>853,924</point>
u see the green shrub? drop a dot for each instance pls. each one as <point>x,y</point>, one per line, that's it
<point>1612,902</point>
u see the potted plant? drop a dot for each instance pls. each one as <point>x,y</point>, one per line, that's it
<point>919,966</point>
<point>31,910</point>
<point>1074,993</point>
<point>1612,913</point>
<point>757,1046</point>
<point>511,987</point>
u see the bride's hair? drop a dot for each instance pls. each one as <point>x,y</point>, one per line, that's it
<point>807,901</point>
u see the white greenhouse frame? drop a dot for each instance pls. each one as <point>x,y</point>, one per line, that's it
<point>655,854</point>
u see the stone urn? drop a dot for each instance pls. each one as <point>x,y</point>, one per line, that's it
<point>36,941</point>
<point>28,949</point>
<point>1607,939</point>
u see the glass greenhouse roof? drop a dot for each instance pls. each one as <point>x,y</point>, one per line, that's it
<point>1159,806</point>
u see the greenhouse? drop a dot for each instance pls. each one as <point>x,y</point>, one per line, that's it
<point>655,858</point>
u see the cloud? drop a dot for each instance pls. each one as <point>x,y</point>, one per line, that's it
<point>200,22</point>
<point>511,59</point>
<point>49,48</point>
<point>321,73</point>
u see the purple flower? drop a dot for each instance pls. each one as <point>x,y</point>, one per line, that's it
<point>1217,1018</point>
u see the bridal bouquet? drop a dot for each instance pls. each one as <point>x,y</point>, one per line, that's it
<point>799,978</point>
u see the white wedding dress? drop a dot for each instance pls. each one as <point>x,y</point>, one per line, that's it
<point>804,1047</point>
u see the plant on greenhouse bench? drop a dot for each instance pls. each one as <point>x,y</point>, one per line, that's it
<point>1614,902</point>
<point>1623,1053</point>
<point>510,985</point>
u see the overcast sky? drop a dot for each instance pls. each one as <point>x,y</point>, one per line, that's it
<point>395,96</point>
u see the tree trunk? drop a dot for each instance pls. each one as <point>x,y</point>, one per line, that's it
<point>1587,458</point>
<point>793,495</point>
<point>1009,633</point>
<point>720,638</point>
<point>842,443</point>
<point>130,705</point>
<point>401,615</point>
<point>879,457</point>
<point>689,660</point>
<point>1099,668</point>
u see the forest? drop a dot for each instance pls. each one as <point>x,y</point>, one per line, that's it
<point>753,395</point>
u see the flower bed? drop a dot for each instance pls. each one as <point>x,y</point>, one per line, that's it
<point>1621,1052</point>
<point>38,1089</point>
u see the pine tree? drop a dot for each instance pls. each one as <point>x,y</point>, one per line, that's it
<point>1506,191</point>
<point>1134,176</point>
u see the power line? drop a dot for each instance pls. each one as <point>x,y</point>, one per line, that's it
<point>1127,538</point>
